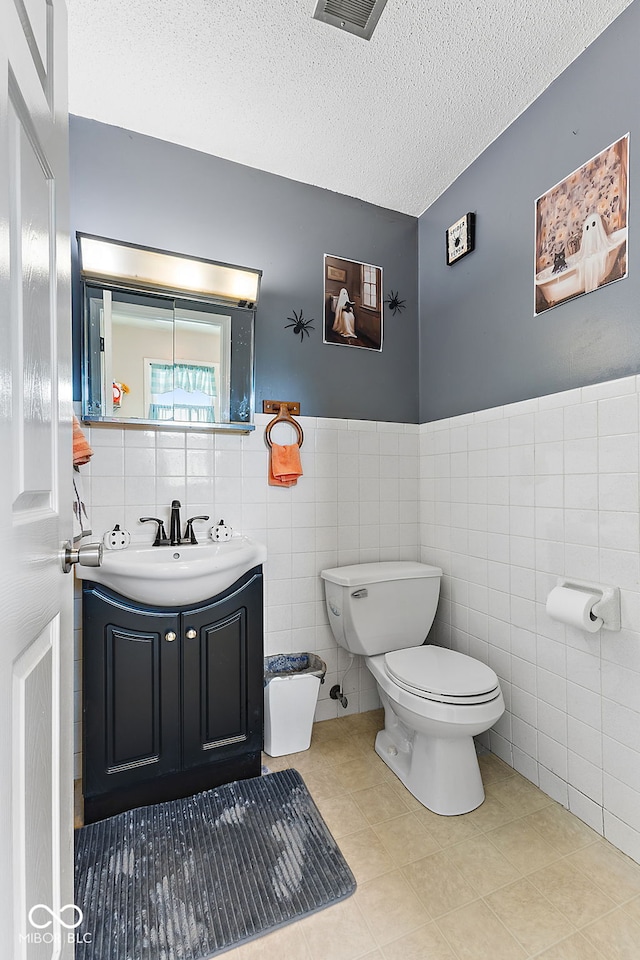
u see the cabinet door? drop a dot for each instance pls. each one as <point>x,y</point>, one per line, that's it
<point>223,676</point>
<point>131,693</point>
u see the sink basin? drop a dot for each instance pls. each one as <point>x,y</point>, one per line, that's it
<point>174,576</point>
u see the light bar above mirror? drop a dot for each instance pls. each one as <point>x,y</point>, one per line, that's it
<point>145,268</point>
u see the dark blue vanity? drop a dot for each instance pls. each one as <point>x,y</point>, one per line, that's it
<point>173,697</point>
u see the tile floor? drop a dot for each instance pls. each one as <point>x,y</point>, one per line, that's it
<point>518,878</point>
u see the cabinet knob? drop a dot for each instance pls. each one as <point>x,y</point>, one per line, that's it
<point>191,634</point>
<point>170,635</point>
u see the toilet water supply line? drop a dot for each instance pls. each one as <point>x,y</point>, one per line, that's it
<point>337,691</point>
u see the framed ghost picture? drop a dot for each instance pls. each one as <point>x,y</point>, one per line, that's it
<point>352,303</point>
<point>581,229</point>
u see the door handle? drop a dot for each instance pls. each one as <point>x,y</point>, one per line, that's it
<point>170,636</point>
<point>191,634</point>
<point>87,555</point>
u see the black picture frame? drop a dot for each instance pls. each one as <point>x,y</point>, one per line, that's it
<point>460,238</point>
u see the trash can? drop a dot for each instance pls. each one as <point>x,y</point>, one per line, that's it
<point>291,685</point>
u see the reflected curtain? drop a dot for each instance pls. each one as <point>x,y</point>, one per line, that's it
<point>189,377</point>
<point>183,376</point>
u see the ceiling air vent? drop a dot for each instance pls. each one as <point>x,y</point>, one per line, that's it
<point>355,16</point>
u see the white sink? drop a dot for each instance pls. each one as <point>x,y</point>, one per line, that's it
<point>174,576</point>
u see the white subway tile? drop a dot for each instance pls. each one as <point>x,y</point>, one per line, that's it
<point>522,491</point>
<point>522,521</point>
<point>580,421</point>
<point>581,456</point>
<point>618,454</point>
<point>621,568</point>
<point>585,777</point>
<point>619,530</point>
<point>621,801</point>
<point>552,755</point>
<point>621,762</point>
<point>498,490</point>
<point>622,836</point>
<point>584,741</point>
<point>498,433</point>
<point>618,415</point>
<point>609,388</point>
<point>584,704</point>
<point>549,425</point>
<point>521,460</point>
<point>581,527</point>
<point>549,523</point>
<point>549,458</point>
<point>586,809</point>
<point>581,491</point>
<point>618,491</point>
<point>582,562</point>
<point>554,786</point>
<point>552,689</point>
<point>549,491</point>
<point>522,551</point>
<point>584,669</point>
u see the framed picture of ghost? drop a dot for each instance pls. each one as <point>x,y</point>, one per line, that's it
<point>352,303</point>
<point>581,229</point>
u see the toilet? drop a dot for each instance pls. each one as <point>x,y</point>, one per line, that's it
<point>435,700</point>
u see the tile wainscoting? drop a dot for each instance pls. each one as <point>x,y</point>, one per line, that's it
<point>504,500</point>
<point>357,501</point>
<point>510,499</point>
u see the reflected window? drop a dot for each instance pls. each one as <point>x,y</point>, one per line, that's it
<point>182,391</point>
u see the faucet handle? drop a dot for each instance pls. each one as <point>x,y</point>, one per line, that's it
<point>161,534</point>
<point>188,532</point>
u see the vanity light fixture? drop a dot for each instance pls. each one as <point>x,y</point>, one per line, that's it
<point>150,269</point>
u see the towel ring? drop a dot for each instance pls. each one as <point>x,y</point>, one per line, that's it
<point>283,414</point>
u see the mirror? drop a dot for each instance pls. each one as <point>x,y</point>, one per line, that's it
<point>156,357</point>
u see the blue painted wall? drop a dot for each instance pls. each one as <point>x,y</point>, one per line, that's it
<point>134,188</point>
<point>480,344</point>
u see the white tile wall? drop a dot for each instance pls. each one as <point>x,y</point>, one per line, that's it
<point>510,498</point>
<point>357,501</point>
<point>504,500</point>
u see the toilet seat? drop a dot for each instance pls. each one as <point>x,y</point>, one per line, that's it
<point>442,675</point>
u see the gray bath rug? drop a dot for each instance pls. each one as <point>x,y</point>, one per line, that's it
<point>188,879</point>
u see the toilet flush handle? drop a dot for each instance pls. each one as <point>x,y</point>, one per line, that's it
<point>360,594</point>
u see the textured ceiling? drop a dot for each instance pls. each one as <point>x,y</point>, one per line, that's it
<point>392,121</point>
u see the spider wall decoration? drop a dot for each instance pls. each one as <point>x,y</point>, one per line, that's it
<point>299,324</point>
<point>394,302</point>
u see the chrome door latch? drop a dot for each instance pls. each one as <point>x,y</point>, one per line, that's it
<point>87,555</point>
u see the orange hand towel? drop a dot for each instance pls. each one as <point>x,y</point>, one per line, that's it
<point>82,452</point>
<point>284,465</point>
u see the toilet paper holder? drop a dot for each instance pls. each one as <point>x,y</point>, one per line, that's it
<point>607,607</point>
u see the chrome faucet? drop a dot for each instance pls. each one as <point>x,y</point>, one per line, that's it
<point>175,537</point>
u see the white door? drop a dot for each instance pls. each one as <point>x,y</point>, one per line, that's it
<point>36,659</point>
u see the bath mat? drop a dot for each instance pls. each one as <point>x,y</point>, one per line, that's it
<point>189,879</point>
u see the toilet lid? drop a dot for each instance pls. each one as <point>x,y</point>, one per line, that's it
<point>441,674</point>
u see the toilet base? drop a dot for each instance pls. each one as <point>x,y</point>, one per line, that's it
<point>443,774</point>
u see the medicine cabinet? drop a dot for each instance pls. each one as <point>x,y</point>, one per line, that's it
<point>167,339</point>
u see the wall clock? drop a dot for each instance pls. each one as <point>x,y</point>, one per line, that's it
<point>461,238</point>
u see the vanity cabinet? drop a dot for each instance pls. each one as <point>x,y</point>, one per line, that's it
<point>173,698</point>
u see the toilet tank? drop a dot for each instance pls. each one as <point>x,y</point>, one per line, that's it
<point>377,607</point>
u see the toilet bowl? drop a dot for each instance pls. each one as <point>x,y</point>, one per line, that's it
<point>428,736</point>
<point>435,700</point>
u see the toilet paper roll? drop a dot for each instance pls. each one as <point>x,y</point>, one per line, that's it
<point>573,607</point>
